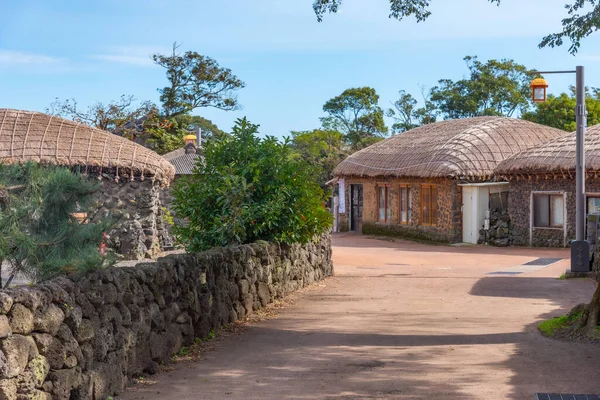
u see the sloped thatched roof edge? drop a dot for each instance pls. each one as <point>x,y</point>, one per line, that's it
<point>33,136</point>
<point>463,148</point>
<point>556,156</point>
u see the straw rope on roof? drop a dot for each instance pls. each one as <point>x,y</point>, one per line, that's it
<point>556,156</point>
<point>33,136</point>
<point>463,148</point>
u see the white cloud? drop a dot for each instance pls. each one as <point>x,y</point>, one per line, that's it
<point>9,58</point>
<point>132,55</point>
<point>122,59</point>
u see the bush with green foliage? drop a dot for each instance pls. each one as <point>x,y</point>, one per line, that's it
<point>40,234</point>
<point>249,189</point>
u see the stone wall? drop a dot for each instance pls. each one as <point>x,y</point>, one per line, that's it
<point>519,209</point>
<point>448,228</point>
<point>84,339</point>
<point>140,228</point>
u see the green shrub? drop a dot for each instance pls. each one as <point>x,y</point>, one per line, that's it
<point>40,236</point>
<point>249,189</point>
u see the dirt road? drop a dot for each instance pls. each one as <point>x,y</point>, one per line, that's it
<point>402,320</point>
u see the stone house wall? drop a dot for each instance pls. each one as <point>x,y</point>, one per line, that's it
<point>84,339</point>
<point>135,207</point>
<point>449,222</point>
<point>519,210</point>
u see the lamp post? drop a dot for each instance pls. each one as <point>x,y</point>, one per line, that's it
<point>580,248</point>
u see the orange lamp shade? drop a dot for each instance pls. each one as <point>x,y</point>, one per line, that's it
<point>190,139</point>
<point>538,90</point>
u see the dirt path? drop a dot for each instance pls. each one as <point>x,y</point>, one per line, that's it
<point>404,321</point>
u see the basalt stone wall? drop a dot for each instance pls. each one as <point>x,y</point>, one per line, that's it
<point>519,209</point>
<point>140,228</point>
<point>449,222</point>
<point>85,339</point>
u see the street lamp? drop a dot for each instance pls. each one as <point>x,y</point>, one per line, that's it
<point>580,248</point>
<point>538,90</point>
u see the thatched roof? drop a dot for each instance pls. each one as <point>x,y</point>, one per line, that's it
<point>33,136</point>
<point>463,148</point>
<point>556,156</point>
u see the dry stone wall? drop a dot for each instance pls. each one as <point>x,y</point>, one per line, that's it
<point>519,209</point>
<point>140,228</point>
<point>84,339</point>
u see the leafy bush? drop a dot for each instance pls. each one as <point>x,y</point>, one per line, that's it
<point>40,233</point>
<point>249,189</point>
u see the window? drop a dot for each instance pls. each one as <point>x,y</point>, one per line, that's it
<point>405,204</point>
<point>548,210</point>
<point>593,205</point>
<point>383,202</point>
<point>429,208</point>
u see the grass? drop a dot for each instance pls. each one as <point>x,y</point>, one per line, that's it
<point>550,326</point>
<point>562,277</point>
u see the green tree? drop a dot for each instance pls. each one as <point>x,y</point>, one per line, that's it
<point>583,18</point>
<point>191,122</point>
<point>558,111</point>
<point>408,116</point>
<point>40,235</point>
<point>249,189</point>
<point>321,149</point>
<point>357,114</point>
<point>492,88</point>
<point>196,81</point>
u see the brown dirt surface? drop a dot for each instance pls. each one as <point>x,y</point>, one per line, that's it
<point>402,320</point>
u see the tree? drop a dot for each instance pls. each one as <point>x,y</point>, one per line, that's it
<point>357,114</point>
<point>494,88</point>
<point>249,189</point>
<point>406,114</point>
<point>40,234</point>
<point>558,111</point>
<point>583,18</point>
<point>321,149</point>
<point>191,122</point>
<point>577,26</point>
<point>196,81</point>
<point>117,116</point>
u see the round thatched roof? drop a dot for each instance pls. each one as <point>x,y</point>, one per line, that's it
<point>557,155</point>
<point>33,136</point>
<point>463,148</point>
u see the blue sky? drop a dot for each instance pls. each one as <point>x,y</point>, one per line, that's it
<point>97,51</point>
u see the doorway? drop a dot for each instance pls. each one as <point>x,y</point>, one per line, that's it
<point>356,207</point>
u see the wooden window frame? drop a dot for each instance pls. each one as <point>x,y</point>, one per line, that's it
<point>433,211</point>
<point>400,204</point>
<point>386,203</point>
<point>550,210</point>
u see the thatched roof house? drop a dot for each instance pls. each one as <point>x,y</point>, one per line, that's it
<point>33,136</point>
<point>435,181</point>
<point>542,189</point>
<point>131,175</point>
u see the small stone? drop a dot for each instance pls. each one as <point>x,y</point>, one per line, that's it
<point>182,318</point>
<point>21,319</point>
<point>85,331</point>
<point>6,303</point>
<point>5,330</point>
<point>70,362</point>
<point>43,341</point>
<point>8,389</point>
<point>50,320</point>
<point>15,354</point>
<point>39,368</point>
